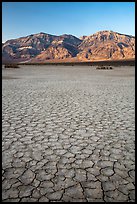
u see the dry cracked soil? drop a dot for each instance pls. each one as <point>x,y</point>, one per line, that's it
<point>68,134</point>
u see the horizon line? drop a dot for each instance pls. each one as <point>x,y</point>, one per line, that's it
<point>66,34</point>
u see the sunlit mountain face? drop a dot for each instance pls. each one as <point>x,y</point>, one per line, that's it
<point>103,45</point>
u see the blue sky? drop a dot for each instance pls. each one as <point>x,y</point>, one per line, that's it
<point>57,18</point>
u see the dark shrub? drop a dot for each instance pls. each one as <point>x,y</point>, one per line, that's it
<point>11,66</point>
<point>104,67</point>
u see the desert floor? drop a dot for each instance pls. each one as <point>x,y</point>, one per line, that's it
<point>68,134</point>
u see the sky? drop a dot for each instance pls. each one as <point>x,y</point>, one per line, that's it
<point>20,19</point>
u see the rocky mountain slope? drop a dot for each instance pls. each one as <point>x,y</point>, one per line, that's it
<point>107,45</point>
<point>42,47</point>
<point>50,46</point>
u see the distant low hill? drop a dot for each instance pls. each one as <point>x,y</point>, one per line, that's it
<point>43,47</point>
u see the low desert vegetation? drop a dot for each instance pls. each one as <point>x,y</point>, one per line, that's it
<point>11,66</point>
<point>104,67</point>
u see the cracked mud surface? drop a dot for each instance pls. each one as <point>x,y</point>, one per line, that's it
<point>68,134</point>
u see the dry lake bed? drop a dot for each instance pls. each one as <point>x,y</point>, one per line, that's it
<point>68,134</point>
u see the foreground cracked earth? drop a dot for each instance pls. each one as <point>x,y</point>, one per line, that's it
<point>68,134</point>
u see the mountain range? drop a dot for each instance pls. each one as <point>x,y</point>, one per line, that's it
<point>43,47</point>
